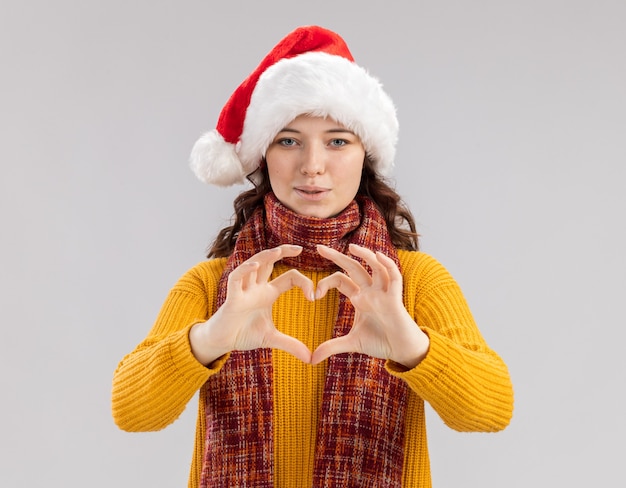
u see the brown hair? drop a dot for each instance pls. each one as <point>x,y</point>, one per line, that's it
<point>399,219</point>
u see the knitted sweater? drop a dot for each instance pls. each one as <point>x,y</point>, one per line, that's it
<point>464,381</point>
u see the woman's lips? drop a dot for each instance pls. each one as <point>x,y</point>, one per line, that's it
<point>311,193</point>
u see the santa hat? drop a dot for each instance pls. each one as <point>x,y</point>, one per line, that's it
<point>310,71</point>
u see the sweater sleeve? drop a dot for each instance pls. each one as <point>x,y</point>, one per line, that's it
<point>462,378</point>
<point>153,384</point>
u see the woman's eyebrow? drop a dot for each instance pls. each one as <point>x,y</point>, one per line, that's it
<point>288,129</point>
<point>329,131</point>
<point>341,130</point>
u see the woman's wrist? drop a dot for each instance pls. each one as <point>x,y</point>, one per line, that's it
<point>413,350</point>
<point>200,346</point>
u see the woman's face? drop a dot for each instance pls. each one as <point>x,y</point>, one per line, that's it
<point>314,166</point>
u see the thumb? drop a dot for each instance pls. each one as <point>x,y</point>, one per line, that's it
<point>331,347</point>
<point>291,345</point>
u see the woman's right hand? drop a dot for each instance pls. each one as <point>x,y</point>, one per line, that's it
<point>244,321</point>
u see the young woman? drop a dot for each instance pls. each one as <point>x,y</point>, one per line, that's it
<point>316,330</point>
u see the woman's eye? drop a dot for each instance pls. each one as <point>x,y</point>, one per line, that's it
<point>287,142</point>
<point>338,142</point>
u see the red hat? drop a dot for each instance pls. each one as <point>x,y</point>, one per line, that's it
<point>310,71</point>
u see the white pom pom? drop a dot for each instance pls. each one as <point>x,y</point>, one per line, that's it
<point>213,160</point>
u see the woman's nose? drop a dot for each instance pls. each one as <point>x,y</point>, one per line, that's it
<point>312,161</point>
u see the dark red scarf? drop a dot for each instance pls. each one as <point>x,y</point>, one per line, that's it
<point>360,439</point>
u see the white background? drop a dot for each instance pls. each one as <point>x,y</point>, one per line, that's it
<point>512,156</point>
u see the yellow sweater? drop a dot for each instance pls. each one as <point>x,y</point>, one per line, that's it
<point>464,381</point>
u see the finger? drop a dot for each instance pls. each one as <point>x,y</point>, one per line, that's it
<point>331,347</point>
<point>290,250</point>
<point>396,282</point>
<point>354,269</point>
<point>337,280</point>
<point>268,258</point>
<point>291,345</point>
<point>392,268</point>
<point>240,278</point>
<point>271,255</point>
<point>380,274</point>
<point>291,278</point>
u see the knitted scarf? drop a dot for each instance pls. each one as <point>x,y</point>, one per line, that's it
<point>360,438</point>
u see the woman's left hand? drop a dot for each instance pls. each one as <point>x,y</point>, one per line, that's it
<point>382,326</point>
